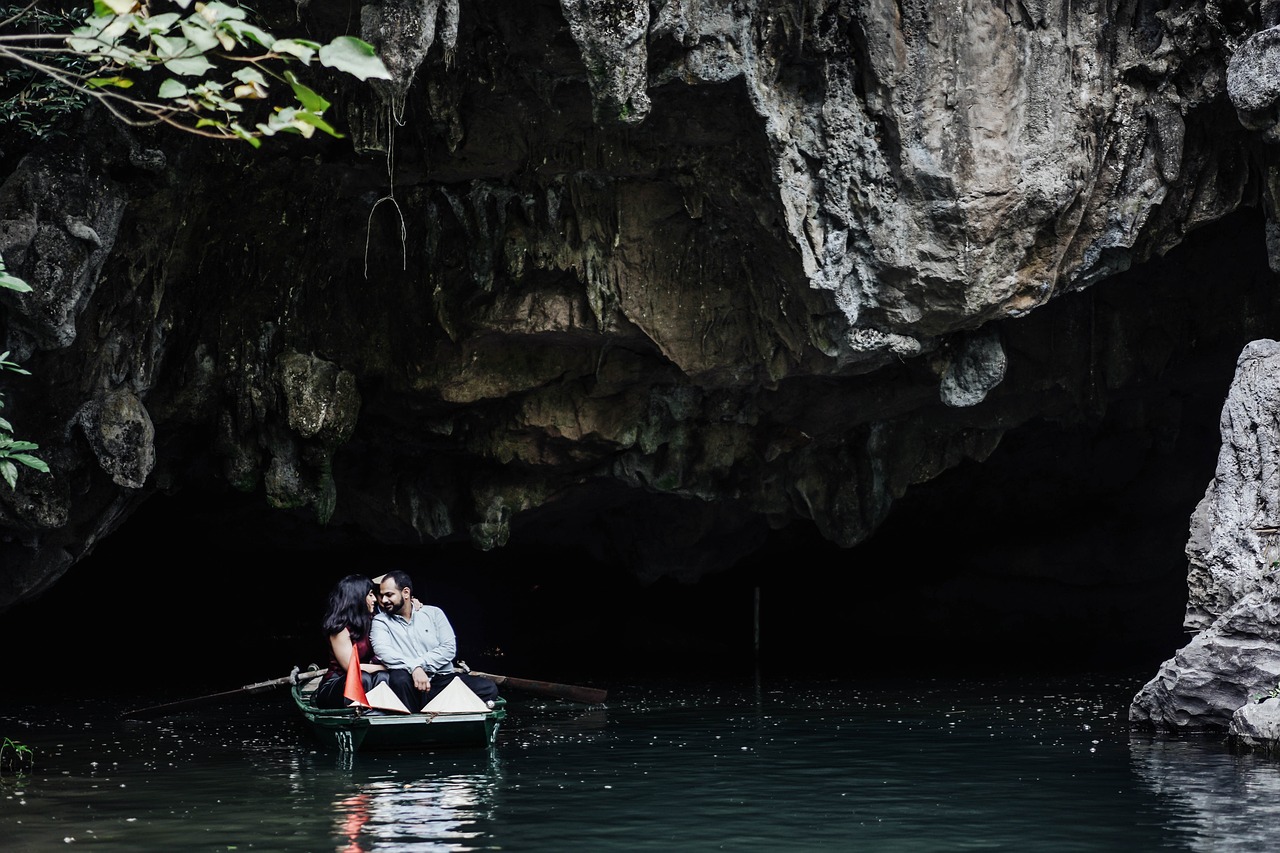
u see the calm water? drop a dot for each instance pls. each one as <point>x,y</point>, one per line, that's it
<point>923,765</point>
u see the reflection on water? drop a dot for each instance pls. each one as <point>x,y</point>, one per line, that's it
<point>925,765</point>
<point>1218,801</point>
<point>441,802</point>
<point>441,812</point>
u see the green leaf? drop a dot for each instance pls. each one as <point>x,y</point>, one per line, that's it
<point>215,11</point>
<point>243,31</point>
<point>10,282</point>
<point>114,7</point>
<point>5,425</point>
<point>169,47</point>
<point>102,82</point>
<point>301,48</point>
<point>31,462</point>
<point>306,96</point>
<point>209,87</point>
<point>246,135</point>
<point>191,66</point>
<point>161,23</point>
<point>355,57</point>
<point>104,30</point>
<point>14,445</point>
<point>172,88</point>
<point>83,45</point>
<point>197,29</point>
<point>318,123</point>
<point>10,473</point>
<point>276,125</point>
<point>249,74</point>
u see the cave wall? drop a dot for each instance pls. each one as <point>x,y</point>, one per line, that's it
<point>691,270</point>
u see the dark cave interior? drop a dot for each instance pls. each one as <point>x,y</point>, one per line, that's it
<point>1063,551</point>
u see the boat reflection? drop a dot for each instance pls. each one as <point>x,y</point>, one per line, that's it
<point>1216,800</point>
<point>353,814</point>
<point>443,813</point>
<point>442,801</point>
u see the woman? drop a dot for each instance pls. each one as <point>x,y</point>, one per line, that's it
<point>346,625</point>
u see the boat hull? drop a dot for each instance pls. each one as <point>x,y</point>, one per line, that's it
<point>354,730</point>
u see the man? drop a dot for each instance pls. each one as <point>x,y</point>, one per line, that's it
<point>417,645</point>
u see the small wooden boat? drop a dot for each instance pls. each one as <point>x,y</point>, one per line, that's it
<point>355,729</point>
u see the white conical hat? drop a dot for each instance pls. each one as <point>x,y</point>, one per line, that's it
<point>456,698</point>
<point>384,698</point>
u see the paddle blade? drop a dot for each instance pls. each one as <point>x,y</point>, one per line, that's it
<point>354,689</point>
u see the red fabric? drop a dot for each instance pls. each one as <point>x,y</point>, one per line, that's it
<point>366,655</point>
<point>355,686</point>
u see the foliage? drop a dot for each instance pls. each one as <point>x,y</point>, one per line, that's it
<point>208,71</point>
<point>14,451</point>
<point>15,756</point>
<point>203,72</point>
<point>30,102</point>
<point>1273,693</point>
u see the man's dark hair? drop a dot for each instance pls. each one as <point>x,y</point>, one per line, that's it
<point>401,578</point>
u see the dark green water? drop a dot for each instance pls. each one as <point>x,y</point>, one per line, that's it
<point>1031,764</point>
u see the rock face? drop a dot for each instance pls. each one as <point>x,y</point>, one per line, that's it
<point>1234,553</point>
<point>1257,726</point>
<point>590,264</point>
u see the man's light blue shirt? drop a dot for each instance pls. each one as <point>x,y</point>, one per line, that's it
<point>426,639</point>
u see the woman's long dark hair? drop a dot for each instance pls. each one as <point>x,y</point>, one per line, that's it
<point>348,607</point>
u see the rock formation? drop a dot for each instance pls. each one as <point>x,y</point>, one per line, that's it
<point>1256,726</point>
<point>1234,553</point>
<point>668,272</point>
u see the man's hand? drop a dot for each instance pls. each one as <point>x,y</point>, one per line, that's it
<point>421,680</point>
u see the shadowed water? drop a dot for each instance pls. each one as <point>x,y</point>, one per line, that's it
<point>1043,764</point>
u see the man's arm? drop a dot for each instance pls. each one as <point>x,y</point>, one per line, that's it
<point>386,646</point>
<point>440,658</point>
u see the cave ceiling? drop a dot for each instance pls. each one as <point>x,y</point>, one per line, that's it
<point>653,278</point>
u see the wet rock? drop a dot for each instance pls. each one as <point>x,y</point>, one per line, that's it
<point>403,31</point>
<point>320,398</point>
<point>1256,726</point>
<point>1234,553</point>
<point>977,367</point>
<point>613,37</point>
<point>59,215</point>
<point>1253,80</point>
<point>723,256</point>
<point>122,437</point>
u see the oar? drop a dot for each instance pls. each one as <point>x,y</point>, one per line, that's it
<point>585,695</point>
<point>157,710</point>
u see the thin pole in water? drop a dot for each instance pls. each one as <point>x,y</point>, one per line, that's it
<point>756,620</point>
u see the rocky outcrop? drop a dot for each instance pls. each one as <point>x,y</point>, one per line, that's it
<point>1234,552</point>
<point>1256,726</point>
<point>403,33</point>
<point>727,265</point>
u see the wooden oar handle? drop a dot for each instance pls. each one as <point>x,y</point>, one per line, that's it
<point>292,678</point>
<point>585,695</point>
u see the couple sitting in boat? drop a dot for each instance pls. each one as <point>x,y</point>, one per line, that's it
<point>407,645</point>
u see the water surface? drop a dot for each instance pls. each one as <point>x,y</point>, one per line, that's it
<point>919,765</point>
